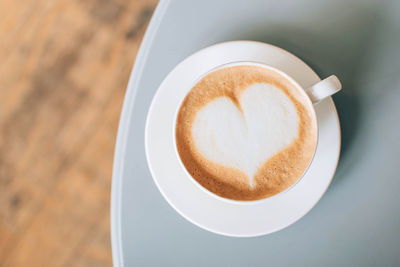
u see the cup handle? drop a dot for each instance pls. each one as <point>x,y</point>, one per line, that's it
<point>324,88</point>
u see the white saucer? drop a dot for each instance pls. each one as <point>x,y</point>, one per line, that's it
<point>201,208</point>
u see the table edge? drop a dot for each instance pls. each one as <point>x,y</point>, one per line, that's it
<point>123,128</point>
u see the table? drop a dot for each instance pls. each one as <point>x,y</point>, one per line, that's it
<point>357,222</point>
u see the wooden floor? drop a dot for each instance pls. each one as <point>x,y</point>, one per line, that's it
<point>64,67</point>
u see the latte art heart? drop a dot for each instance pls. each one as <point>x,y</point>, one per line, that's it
<point>246,136</point>
<point>245,132</point>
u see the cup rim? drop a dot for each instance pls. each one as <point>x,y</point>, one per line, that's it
<point>244,63</point>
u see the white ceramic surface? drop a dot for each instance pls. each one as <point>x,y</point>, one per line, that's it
<point>195,204</point>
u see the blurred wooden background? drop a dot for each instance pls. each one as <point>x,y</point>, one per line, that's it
<point>64,67</point>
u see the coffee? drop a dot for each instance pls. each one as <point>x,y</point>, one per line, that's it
<point>246,132</point>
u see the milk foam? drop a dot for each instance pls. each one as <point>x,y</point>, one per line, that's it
<point>245,138</point>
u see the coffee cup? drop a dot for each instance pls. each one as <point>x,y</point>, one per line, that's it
<point>247,131</point>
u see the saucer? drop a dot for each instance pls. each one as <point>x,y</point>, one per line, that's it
<point>204,210</point>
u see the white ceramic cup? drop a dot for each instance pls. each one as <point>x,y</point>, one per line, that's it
<point>314,94</point>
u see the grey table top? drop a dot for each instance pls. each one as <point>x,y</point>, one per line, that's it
<point>357,222</point>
